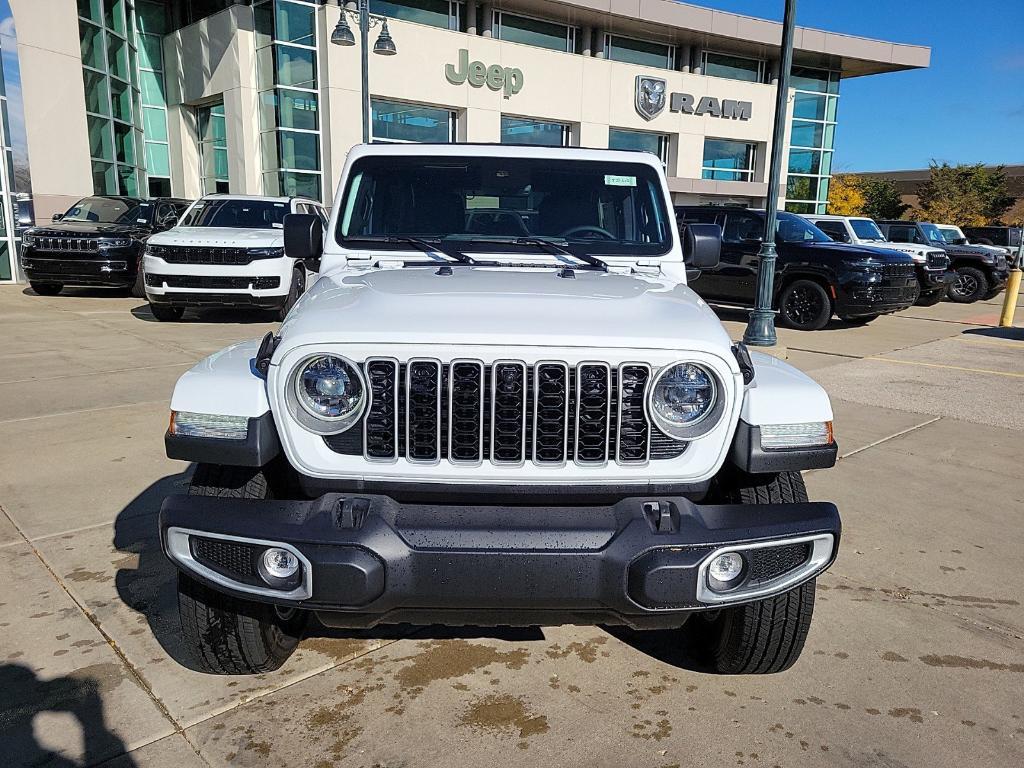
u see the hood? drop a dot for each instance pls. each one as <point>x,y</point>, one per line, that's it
<point>220,237</point>
<point>92,228</point>
<point>503,306</point>
<point>848,251</point>
<point>972,250</point>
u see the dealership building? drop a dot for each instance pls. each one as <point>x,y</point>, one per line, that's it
<point>182,98</point>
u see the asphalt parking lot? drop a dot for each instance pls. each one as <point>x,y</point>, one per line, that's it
<point>915,658</point>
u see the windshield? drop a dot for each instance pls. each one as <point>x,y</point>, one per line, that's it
<point>953,235</point>
<point>933,234</point>
<point>866,229</point>
<point>236,214</point>
<point>794,229</point>
<point>599,207</point>
<point>110,210</point>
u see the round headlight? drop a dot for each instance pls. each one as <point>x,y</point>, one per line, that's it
<point>329,388</point>
<point>683,396</point>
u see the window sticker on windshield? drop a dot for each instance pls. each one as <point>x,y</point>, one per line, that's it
<point>612,180</point>
<point>279,205</point>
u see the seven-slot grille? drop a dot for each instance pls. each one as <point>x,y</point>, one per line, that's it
<point>938,261</point>
<point>898,271</point>
<point>188,254</point>
<point>507,413</point>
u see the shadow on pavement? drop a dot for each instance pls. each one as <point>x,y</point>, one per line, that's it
<point>142,312</point>
<point>24,696</point>
<point>1011,334</point>
<point>737,315</point>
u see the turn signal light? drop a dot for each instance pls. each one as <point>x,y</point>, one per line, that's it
<point>806,435</point>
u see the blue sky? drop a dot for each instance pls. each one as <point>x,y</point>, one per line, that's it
<point>967,107</point>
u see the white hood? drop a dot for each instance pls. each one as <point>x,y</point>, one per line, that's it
<point>220,237</point>
<point>503,306</point>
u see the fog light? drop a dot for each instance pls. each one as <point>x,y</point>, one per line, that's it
<point>280,563</point>
<point>726,568</point>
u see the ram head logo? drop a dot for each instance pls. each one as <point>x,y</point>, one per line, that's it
<point>650,96</point>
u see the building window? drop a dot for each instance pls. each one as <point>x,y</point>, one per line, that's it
<point>535,32</point>
<point>399,123</point>
<point>812,137</point>
<point>732,67</point>
<point>9,232</point>
<point>286,63</point>
<point>152,26</point>
<point>726,160</point>
<point>655,143</point>
<point>213,149</point>
<point>446,14</point>
<point>526,130</point>
<point>111,81</point>
<point>642,52</point>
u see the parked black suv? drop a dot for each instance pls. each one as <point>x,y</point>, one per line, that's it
<point>814,276</point>
<point>980,272</point>
<point>1004,237</point>
<point>99,241</point>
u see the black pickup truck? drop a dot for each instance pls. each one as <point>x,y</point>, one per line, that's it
<point>98,242</point>
<point>981,273</point>
<point>814,276</point>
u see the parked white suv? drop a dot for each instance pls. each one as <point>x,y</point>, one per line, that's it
<point>227,251</point>
<point>499,428</point>
<point>931,264</point>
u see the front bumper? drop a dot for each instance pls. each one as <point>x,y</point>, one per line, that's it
<point>876,297</point>
<point>935,279</point>
<point>110,270</point>
<point>368,559</point>
<point>214,299</point>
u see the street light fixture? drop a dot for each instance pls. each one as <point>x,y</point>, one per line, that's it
<point>384,46</point>
<point>760,330</point>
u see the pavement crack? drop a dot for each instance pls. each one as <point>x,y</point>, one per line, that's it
<point>893,436</point>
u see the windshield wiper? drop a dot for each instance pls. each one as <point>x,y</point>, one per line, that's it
<point>424,245</point>
<point>558,250</point>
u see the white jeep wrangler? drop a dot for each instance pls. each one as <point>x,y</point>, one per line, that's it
<point>499,404</point>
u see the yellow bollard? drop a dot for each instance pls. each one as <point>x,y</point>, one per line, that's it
<point>1010,300</point>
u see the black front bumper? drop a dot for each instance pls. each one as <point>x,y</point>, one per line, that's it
<point>212,299</point>
<point>935,279</point>
<point>856,299</point>
<point>115,270</point>
<point>371,559</point>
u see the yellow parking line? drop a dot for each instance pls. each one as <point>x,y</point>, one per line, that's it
<point>950,367</point>
<point>1017,344</point>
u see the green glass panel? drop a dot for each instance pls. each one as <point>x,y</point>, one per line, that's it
<point>801,207</point>
<point>5,262</point>
<point>299,150</point>
<point>263,16</point>
<point>435,13</point>
<point>823,189</point>
<point>728,155</point>
<point>152,16</point>
<point>641,52</point>
<point>295,66</point>
<point>806,134</point>
<point>732,67</point>
<point>515,130</point>
<point>817,80</point>
<point>296,23</point>
<point>804,161</point>
<point>396,121</point>
<point>97,99</point>
<point>809,106</point>
<point>637,140</point>
<point>124,144</point>
<point>121,100</point>
<point>826,163</point>
<point>100,140</point>
<point>154,123</point>
<point>801,188</point>
<point>265,67</point>
<point>153,94</point>
<point>271,183</point>
<point>268,149</point>
<point>158,159</point>
<point>128,181</point>
<point>220,163</point>
<point>113,15</point>
<point>540,34</point>
<point>150,52</point>
<point>92,45</point>
<point>300,184</point>
<point>103,181</point>
<point>295,109</point>
<point>829,137</point>
<point>831,109</point>
<point>91,10</point>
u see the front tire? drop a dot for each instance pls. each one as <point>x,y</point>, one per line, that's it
<point>805,305</point>
<point>970,286</point>
<point>227,635</point>
<point>766,636</point>
<point>138,288</point>
<point>46,289</point>
<point>295,291</point>
<point>165,313</point>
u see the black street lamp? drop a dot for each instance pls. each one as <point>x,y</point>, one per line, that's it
<point>384,46</point>
<point>760,330</point>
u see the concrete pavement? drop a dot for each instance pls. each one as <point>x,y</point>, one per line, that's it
<point>915,657</point>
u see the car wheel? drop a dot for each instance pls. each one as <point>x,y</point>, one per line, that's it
<point>765,636</point>
<point>930,299</point>
<point>298,287</point>
<point>971,284</point>
<point>138,289</point>
<point>805,305</point>
<point>165,313</point>
<point>46,289</point>
<point>228,635</point>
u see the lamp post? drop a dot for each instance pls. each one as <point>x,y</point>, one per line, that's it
<point>760,330</point>
<point>384,46</point>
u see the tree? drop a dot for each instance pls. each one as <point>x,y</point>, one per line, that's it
<point>964,195</point>
<point>844,195</point>
<point>881,198</point>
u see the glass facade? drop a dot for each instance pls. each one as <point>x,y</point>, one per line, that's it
<point>394,122</point>
<point>152,26</point>
<point>732,67</point>
<point>642,52</point>
<point>655,143</point>
<point>812,137</point>
<point>446,14</point>
<point>526,130</point>
<point>8,235</point>
<point>726,160</point>
<point>111,78</point>
<point>535,32</point>
<point>213,149</point>
<point>286,63</point>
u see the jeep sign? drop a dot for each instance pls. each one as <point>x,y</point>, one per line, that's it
<point>650,100</point>
<point>477,74</point>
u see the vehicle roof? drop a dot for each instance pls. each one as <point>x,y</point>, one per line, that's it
<point>832,216</point>
<point>505,151</point>
<point>263,198</point>
<point>900,221</point>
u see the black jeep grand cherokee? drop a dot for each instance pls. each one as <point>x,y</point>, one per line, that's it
<point>99,241</point>
<point>814,276</point>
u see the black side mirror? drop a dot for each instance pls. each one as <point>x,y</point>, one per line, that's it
<point>304,238</point>
<point>57,217</point>
<point>702,245</point>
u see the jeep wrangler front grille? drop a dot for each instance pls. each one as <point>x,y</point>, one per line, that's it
<point>507,413</point>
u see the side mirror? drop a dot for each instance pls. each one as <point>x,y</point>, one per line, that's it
<point>57,217</point>
<point>702,245</point>
<point>304,238</point>
<point>168,221</point>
